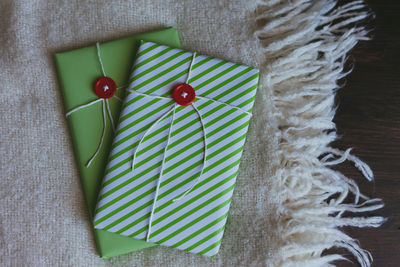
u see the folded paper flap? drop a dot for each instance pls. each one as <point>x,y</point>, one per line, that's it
<point>196,222</point>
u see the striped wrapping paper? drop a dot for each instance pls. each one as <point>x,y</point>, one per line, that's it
<point>196,222</point>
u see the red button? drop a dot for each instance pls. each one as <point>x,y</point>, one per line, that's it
<point>184,94</point>
<point>105,87</point>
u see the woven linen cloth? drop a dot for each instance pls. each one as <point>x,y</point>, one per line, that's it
<point>288,205</point>
<point>43,215</point>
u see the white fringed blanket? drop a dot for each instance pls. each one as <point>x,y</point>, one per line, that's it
<point>288,203</point>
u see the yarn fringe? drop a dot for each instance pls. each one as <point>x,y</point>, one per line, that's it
<point>305,44</point>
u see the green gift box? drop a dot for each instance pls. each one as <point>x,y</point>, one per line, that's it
<point>89,115</point>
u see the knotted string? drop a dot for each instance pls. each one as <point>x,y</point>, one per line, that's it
<point>105,109</point>
<point>173,110</point>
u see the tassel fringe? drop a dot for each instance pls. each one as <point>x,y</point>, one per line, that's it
<point>305,44</point>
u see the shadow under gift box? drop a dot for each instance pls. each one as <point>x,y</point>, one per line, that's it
<point>78,71</point>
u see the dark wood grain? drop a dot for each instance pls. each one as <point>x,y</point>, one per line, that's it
<point>368,119</point>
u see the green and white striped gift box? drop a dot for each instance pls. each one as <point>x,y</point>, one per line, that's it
<point>148,201</point>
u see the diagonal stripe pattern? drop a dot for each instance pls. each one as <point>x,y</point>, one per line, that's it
<point>196,222</point>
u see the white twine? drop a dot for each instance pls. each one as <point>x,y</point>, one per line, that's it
<point>173,109</point>
<point>160,175</point>
<point>83,106</point>
<point>155,96</point>
<point>105,106</point>
<point>109,114</point>
<point>204,156</point>
<point>148,131</point>
<point>116,97</point>
<point>190,67</point>
<point>226,104</point>
<point>99,57</point>
<point>102,135</point>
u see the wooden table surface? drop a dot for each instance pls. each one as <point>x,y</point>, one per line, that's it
<point>368,119</point>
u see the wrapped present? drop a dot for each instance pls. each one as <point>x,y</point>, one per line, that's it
<point>176,153</point>
<point>92,81</point>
